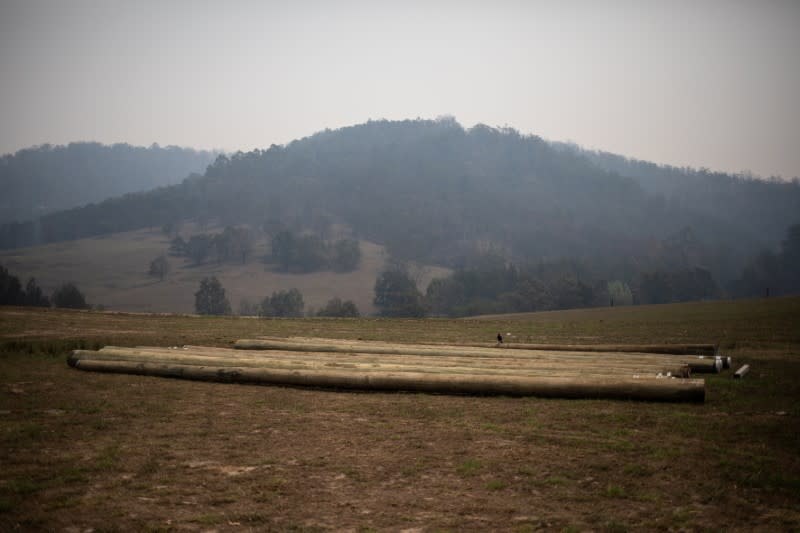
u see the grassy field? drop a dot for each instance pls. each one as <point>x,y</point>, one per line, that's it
<point>110,452</point>
<point>112,271</point>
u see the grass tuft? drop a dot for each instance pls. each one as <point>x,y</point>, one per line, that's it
<point>496,484</point>
<point>470,467</point>
<point>615,491</point>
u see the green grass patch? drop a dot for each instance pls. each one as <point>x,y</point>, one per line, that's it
<point>496,484</point>
<point>252,518</point>
<point>108,458</point>
<point>615,527</point>
<point>681,515</point>
<point>490,426</point>
<point>70,475</point>
<point>49,348</point>
<point>26,432</point>
<point>470,467</point>
<point>614,491</point>
<point>24,486</point>
<point>6,505</point>
<point>65,503</point>
<point>636,470</point>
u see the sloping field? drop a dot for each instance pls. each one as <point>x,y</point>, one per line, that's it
<point>115,452</point>
<point>112,271</point>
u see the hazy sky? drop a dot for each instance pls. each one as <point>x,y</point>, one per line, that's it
<point>699,83</point>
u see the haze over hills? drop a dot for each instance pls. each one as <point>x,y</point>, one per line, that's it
<point>43,179</point>
<point>529,214</point>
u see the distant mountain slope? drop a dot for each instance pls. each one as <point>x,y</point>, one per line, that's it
<point>747,206</point>
<point>437,193</point>
<point>40,180</point>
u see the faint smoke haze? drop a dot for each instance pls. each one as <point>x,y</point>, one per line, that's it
<point>705,84</point>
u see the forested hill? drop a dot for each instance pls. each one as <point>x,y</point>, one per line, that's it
<point>435,192</point>
<point>750,206</point>
<point>44,179</point>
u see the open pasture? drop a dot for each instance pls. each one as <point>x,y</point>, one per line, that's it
<point>112,272</point>
<point>81,450</point>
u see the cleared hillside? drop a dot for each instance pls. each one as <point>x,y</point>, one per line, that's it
<point>112,272</point>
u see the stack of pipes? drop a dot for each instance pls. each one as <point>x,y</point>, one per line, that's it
<point>516,370</point>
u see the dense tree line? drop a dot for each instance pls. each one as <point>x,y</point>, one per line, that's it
<point>290,303</point>
<point>769,273</point>
<point>210,299</point>
<point>336,307</point>
<point>70,297</point>
<point>67,295</point>
<point>285,304</point>
<point>232,245</point>
<point>12,292</point>
<point>752,211</point>
<point>396,294</point>
<point>48,178</point>
<point>497,287</point>
<point>663,286</point>
<point>292,252</point>
<point>494,286</point>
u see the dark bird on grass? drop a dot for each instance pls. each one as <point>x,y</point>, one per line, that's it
<point>499,338</point>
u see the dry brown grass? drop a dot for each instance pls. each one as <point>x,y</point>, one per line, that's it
<point>115,452</point>
<point>112,272</point>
